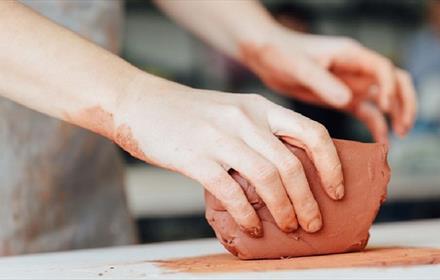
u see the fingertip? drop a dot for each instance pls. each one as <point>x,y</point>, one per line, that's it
<point>314,225</point>
<point>400,130</point>
<point>288,223</point>
<point>291,228</point>
<point>339,191</point>
<point>340,96</point>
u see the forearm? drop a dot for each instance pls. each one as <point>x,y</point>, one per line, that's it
<point>52,70</point>
<point>223,24</point>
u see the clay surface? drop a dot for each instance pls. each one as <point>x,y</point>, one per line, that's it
<point>345,223</point>
<point>373,257</point>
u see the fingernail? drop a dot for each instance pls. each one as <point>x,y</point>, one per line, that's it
<point>339,191</point>
<point>314,225</point>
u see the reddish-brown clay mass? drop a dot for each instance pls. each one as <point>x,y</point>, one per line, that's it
<point>102,122</point>
<point>373,257</point>
<point>345,223</point>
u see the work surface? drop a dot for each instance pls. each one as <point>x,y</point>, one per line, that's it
<point>135,262</point>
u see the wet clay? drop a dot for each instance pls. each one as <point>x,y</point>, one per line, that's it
<point>345,222</point>
<point>102,122</point>
<point>373,257</point>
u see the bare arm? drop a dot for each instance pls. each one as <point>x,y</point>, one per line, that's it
<point>52,70</point>
<point>224,24</point>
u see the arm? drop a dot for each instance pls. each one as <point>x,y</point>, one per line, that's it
<point>52,70</point>
<point>201,134</point>
<point>328,71</point>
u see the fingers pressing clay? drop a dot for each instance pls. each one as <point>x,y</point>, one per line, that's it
<point>264,175</point>
<point>293,178</point>
<point>223,187</point>
<point>315,140</point>
<point>346,222</point>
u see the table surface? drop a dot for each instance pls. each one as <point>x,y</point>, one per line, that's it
<point>131,262</point>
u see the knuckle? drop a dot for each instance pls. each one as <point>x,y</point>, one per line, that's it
<point>404,75</point>
<point>215,180</point>
<point>233,110</point>
<point>257,98</point>
<point>266,173</point>
<point>292,166</point>
<point>236,113</point>
<point>319,133</point>
<point>350,42</point>
<point>387,64</point>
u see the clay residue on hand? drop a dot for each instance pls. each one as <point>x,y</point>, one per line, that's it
<point>124,138</point>
<point>102,122</point>
<point>95,119</point>
<point>374,257</point>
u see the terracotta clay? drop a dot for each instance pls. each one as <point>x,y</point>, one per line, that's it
<point>373,257</point>
<point>345,222</point>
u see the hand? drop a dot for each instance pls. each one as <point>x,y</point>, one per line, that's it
<point>203,134</point>
<point>336,72</point>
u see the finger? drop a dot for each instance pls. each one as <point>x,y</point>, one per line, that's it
<point>292,176</point>
<point>405,115</point>
<point>360,85</point>
<point>315,140</point>
<point>264,176</point>
<point>375,121</point>
<point>359,59</point>
<point>291,70</point>
<point>320,81</point>
<point>221,185</point>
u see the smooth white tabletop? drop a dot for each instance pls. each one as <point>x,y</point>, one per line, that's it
<point>131,262</point>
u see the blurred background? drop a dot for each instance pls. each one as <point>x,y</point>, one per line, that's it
<point>168,206</point>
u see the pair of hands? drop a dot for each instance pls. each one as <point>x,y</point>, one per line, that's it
<point>203,134</point>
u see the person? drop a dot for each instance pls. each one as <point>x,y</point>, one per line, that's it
<point>61,187</point>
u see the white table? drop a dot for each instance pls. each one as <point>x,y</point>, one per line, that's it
<point>131,262</point>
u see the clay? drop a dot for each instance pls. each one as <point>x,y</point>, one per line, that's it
<point>345,222</point>
<point>374,257</point>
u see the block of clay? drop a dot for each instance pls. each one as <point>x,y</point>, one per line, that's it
<point>345,223</point>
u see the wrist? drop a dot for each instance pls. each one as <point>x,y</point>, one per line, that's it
<point>142,92</point>
<point>251,51</point>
